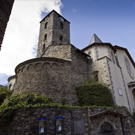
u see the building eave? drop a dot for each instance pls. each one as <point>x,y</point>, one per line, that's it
<point>108,44</point>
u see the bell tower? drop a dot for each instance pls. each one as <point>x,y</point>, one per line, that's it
<point>54,30</point>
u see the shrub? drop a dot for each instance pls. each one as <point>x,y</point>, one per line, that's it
<point>94,94</point>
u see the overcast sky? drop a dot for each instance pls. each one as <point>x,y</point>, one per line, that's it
<point>112,20</point>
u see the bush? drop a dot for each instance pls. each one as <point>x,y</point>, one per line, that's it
<point>22,101</point>
<point>94,94</point>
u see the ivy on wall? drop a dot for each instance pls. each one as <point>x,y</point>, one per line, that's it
<point>94,94</point>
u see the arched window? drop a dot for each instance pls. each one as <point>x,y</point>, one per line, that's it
<point>106,129</point>
<point>46,25</point>
<point>61,25</point>
<point>10,86</point>
<point>133,92</point>
<point>45,36</point>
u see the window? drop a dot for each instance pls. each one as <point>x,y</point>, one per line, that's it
<point>46,25</point>
<point>95,76</point>
<point>45,37</point>
<point>43,48</point>
<point>133,92</point>
<point>60,37</point>
<point>10,86</point>
<point>61,25</point>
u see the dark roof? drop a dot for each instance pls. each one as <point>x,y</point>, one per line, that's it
<point>122,48</point>
<point>11,77</point>
<point>108,44</point>
<point>55,12</point>
<point>5,11</point>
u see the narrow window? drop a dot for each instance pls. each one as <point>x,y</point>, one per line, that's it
<point>46,25</point>
<point>61,25</point>
<point>10,86</point>
<point>43,48</point>
<point>96,77</point>
<point>60,37</point>
<point>133,92</point>
<point>45,36</point>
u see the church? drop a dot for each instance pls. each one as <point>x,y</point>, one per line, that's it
<point>60,67</point>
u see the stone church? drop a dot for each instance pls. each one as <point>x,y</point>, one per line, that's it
<point>58,69</point>
<point>60,66</point>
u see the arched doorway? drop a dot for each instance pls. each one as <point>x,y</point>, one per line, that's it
<point>106,129</point>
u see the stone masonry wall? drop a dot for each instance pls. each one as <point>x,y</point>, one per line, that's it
<point>80,67</point>
<point>45,76</point>
<point>79,121</point>
<point>59,51</point>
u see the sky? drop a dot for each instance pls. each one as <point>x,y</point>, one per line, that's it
<point>113,21</point>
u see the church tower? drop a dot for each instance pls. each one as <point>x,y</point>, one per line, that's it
<point>54,30</point>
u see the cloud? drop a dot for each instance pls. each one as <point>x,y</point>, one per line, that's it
<point>21,37</point>
<point>74,10</point>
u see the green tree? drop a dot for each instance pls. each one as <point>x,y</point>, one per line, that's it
<point>4,93</point>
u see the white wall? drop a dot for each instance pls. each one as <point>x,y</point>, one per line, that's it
<point>121,54</point>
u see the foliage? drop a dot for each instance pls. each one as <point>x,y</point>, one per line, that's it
<point>22,101</point>
<point>63,102</point>
<point>4,93</point>
<point>133,115</point>
<point>93,93</point>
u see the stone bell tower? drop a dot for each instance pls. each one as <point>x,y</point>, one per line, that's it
<point>54,30</point>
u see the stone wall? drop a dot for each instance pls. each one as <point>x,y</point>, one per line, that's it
<point>59,51</point>
<point>80,67</point>
<point>56,75</point>
<point>44,76</point>
<point>77,121</point>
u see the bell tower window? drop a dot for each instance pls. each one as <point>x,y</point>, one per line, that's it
<point>61,25</point>
<point>43,48</point>
<point>46,25</point>
<point>60,37</point>
<point>45,37</point>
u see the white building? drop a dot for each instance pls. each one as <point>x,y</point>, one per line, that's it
<point>114,65</point>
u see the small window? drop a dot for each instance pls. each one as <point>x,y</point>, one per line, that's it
<point>95,76</point>
<point>45,37</point>
<point>60,37</point>
<point>43,48</point>
<point>133,92</point>
<point>61,25</point>
<point>46,25</point>
<point>10,86</point>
